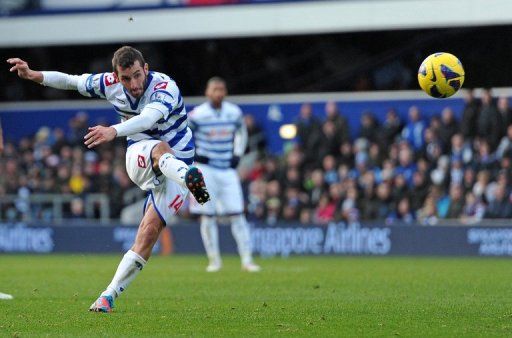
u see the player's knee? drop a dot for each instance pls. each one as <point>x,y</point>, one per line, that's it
<point>238,220</point>
<point>160,149</point>
<point>208,221</point>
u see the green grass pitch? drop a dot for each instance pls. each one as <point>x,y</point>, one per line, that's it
<point>298,296</point>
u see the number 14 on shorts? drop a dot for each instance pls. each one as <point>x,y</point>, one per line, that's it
<point>176,203</point>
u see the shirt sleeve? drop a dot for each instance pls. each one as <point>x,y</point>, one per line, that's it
<point>60,80</point>
<point>168,102</point>
<point>145,120</point>
<point>241,137</point>
<point>92,85</point>
<point>192,120</point>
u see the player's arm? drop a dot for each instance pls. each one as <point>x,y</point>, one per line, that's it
<point>90,85</point>
<point>100,134</point>
<point>240,142</point>
<point>160,105</point>
<point>52,79</point>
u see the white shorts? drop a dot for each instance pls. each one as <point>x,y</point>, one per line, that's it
<point>166,195</point>
<point>225,192</point>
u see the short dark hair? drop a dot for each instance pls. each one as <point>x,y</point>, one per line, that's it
<point>125,57</point>
<point>215,79</point>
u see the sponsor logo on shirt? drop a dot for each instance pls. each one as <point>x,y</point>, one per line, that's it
<point>160,85</point>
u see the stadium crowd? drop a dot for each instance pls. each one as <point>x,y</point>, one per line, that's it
<point>413,172</point>
<point>408,172</point>
<point>55,162</point>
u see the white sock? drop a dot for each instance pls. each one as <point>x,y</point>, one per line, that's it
<point>240,231</point>
<point>210,235</point>
<point>173,168</point>
<point>128,269</point>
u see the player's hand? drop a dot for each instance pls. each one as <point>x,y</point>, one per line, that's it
<point>235,160</point>
<point>24,72</point>
<point>98,135</point>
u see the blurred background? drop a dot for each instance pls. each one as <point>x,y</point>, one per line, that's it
<point>342,142</point>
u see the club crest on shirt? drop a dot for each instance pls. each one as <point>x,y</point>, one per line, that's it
<point>110,79</point>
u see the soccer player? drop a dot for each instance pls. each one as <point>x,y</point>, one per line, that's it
<point>160,146</point>
<point>221,138</point>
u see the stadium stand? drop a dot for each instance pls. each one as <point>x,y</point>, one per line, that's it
<point>415,171</point>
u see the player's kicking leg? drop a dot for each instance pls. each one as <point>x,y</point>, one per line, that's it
<point>137,156</point>
<point>133,261</point>
<point>179,172</point>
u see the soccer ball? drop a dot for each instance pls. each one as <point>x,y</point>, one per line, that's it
<point>441,75</point>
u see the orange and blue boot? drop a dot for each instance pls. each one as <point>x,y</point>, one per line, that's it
<point>103,304</point>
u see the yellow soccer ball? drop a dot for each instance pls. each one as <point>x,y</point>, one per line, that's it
<point>441,75</point>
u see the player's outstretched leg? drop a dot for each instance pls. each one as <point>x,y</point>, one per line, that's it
<point>210,235</point>
<point>240,230</point>
<point>133,261</point>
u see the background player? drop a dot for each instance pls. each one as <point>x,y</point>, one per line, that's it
<point>154,117</point>
<point>221,138</point>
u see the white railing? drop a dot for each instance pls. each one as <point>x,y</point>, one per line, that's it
<point>27,206</point>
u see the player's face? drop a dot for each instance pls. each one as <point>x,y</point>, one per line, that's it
<point>133,78</point>
<point>215,92</point>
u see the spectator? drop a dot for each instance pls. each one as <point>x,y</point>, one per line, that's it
<point>329,167</point>
<point>456,172</point>
<point>505,113</point>
<point>305,216</point>
<point>332,114</point>
<point>384,201</point>
<point>485,160</point>
<point>346,154</point>
<point>256,137</point>
<point>448,128</point>
<point>406,166</point>
<point>309,133</point>
<point>419,190</point>
<point>489,122</point>
<point>273,202</point>
<point>427,215</point>
<point>432,147</point>
<point>370,204</point>
<point>456,202</point>
<point>390,129</point>
<point>460,150</point>
<point>256,199</point>
<point>325,210</point>
<point>400,189</point>
<point>77,208</point>
<point>349,210</point>
<point>469,116</point>
<point>369,127</point>
<point>469,179</point>
<point>501,206</point>
<point>331,140</point>
<point>318,187</point>
<point>473,210</point>
<point>414,129</point>
<point>403,213</point>
<point>505,146</point>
